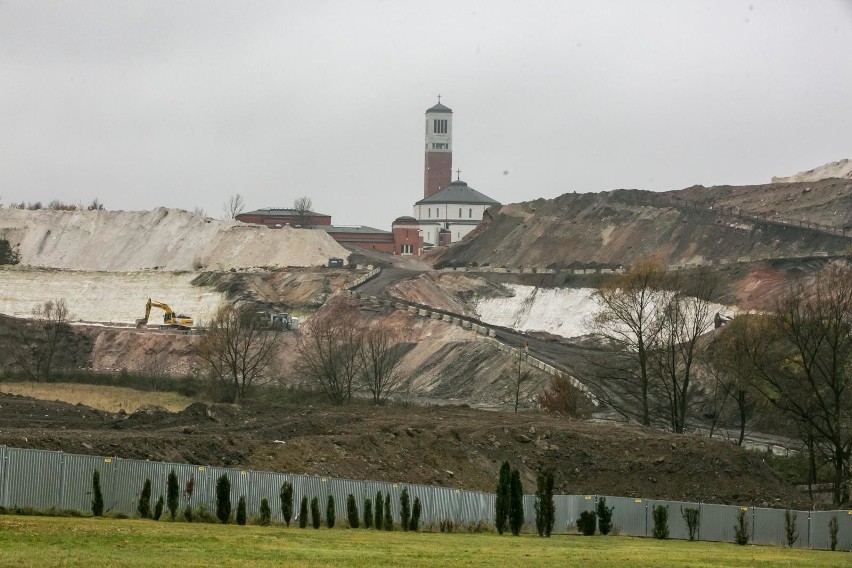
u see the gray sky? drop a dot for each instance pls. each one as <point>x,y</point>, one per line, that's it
<point>181,104</point>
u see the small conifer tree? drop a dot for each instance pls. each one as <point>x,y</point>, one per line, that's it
<point>172,493</point>
<point>380,512</point>
<point>604,516</point>
<point>286,496</point>
<point>545,508</point>
<point>661,521</point>
<point>303,513</point>
<point>516,503</point>
<point>241,510</point>
<point>692,518</point>
<point>587,523</point>
<point>144,505</point>
<point>501,503</point>
<point>330,514</point>
<point>352,512</point>
<point>223,498</point>
<point>832,532</point>
<point>265,513</point>
<point>97,496</point>
<point>388,516</point>
<point>741,535</point>
<point>790,527</point>
<point>404,509</point>
<point>415,515</point>
<point>368,513</point>
<point>316,519</point>
<point>158,508</point>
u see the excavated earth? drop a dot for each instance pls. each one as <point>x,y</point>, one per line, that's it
<point>449,446</point>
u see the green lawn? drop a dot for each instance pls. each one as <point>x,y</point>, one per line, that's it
<point>49,541</point>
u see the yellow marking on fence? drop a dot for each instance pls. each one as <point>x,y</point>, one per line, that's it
<point>244,472</point>
<point>107,460</point>
<point>637,500</point>
<point>201,468</point>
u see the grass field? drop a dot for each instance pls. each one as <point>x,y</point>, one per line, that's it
<point>49,541</point>
<point>111,399</point>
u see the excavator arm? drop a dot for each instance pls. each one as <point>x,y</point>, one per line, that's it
<point>170,319</point>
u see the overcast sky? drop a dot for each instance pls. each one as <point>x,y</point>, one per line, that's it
<point>182,104</point>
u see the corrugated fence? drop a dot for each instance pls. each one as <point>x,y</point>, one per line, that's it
<point>43,479</point>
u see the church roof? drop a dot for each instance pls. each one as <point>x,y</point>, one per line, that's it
<point>353,229</point>
<point>439,108</point>
<point>458,192</point>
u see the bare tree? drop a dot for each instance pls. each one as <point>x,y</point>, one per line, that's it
<point>199,212</point>
<point>37,344</point>
<point>234,206</point>
<point>803,357</point>
<point>684,315</point>
<point>328,350</point>
<point>629,323</point>
<point>95,205</point>
<point>379,356</point>
<point>303,205</point>
<point>236,351</point>
<point>521,374</point>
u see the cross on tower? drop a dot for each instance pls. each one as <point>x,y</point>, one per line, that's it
<point>458,175</point>
<point>439,99</point>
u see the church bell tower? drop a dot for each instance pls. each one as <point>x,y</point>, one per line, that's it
<point>437,172</point>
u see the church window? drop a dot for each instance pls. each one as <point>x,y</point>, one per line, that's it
<point>429,211</point>
<point>440,126</point>
<point>460,210</point>
<point>406,249</point>
<point>470,213</point>
<point>440,146</point>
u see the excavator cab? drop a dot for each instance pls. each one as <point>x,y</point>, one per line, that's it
<point>170,318</point>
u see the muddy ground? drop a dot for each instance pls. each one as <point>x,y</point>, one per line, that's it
<point>448,446</point>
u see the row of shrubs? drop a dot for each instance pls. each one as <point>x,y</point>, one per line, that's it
<point>509,509</point>
<point>381,519</point>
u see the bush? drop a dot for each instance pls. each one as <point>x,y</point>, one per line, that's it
<point>404,509</point>
<point>172,493</point>
<point>692,517</point>
<point>187,514</point>
<point>265,513</point>
<point>201,514</point>
<point>303,513</point>
<point>446,525</point>
<point>330,515</point>
<point>380,512</point>
<point>241,511</point>
<point>352,512</point>
<point>501,503</point>
<point>316,520</point>
<point>661,521</point>
<point>790,528</point>
<point>388,516</point>
<point>286,496</point>
<point>223,498</point>
<point>604,516</point>
<point>741,535</point>
<point>97,496</point>
<point>368,513</point>
<point>158,508</point>
<point>545,508</point>
<point>144,505</point>
<point>587,523</point>
<point>8,254</point>
<point>415,515</point>
<point>516,503</point>
<point>832,532</point>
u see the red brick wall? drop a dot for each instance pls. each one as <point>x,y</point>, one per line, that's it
<point>407,236</point>
<point>438,173</point>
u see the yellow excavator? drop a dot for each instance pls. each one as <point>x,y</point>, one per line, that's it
<point>170,318</point>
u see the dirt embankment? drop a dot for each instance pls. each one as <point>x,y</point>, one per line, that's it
<point>450,446</point>
<point>161,239</point>
<point>841,169</point>
<point>614,228</point>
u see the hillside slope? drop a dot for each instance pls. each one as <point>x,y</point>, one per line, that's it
<point>841,169</point>
<point>614,228</point>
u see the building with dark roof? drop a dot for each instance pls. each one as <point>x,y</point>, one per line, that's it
<point>274,217</point>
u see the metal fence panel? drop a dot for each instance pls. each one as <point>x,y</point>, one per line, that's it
<point>568,509</point>
<point>629,516</point>
<point>267,485</point>
<point>819,534</point>
<point>130,476</point>
<point>2,476</point>
<point>677,525</point>
<point>770,527</point>
<point>717,522</point>
<point>77,487</point>
<point>32,478</point>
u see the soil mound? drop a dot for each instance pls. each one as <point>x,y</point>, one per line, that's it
<point>161,239</point>
<point>841,169</point>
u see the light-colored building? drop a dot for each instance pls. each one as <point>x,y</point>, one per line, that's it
<point>447,216</point>
<point>449,209</point>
